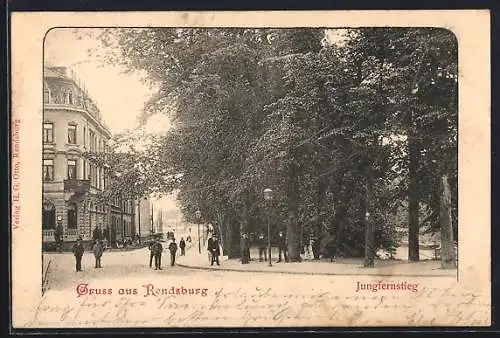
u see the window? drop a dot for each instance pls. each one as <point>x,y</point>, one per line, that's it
<point>84,169</point>
<point>69,98</point>
<point>71,169</point>
<point>48,133</point>
<point>91,140</point>
<point>72,219</point>
<point>48,170</point>
<point>84,137</point>
<point>72,134</point>
<point>46,96</point>
<point>49,216</point>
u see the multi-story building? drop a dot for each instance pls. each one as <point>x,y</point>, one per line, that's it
<point>73,126</point>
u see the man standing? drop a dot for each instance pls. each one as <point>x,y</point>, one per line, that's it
<point>213,247</point>
<point>78,252</point>
<point>58,234</point>
<point>182,245</point>
<point>98,249</point>
<point>157,250</point>
<point>173,249</point>
<point>262,248</point>
<point>282,246</point>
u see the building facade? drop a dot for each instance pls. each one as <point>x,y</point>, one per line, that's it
<point>72,127</point>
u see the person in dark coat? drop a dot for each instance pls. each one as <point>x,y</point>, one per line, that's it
<point>282,246</point>
<point>78,250</point>
<point>58,234</point>
<point>262,247</point>
<point>182,245</point>
<point>157,250</point>
<point>213,247</point>
<point>245,246</point>
<point>98,249</point>
<point>173,249</point>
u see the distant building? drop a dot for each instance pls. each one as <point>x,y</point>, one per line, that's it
<point>143,217</point>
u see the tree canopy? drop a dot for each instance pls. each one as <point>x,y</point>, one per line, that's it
<point>337,131</point>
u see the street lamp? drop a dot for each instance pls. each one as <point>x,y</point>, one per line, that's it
<point>268,196</point>
<point>198,217</point>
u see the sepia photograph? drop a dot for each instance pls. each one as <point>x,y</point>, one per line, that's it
<point>252,176</point>
<point>332,149</point>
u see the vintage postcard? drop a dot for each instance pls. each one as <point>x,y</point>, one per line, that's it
<point>250,169</point>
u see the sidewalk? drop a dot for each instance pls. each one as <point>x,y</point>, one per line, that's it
<point>342,266</point>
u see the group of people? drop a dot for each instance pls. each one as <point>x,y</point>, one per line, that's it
<point>156,250</point>
<point>263,246</point>
<point>78,249</point>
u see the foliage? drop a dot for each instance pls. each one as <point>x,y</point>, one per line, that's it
<point>321,124</point>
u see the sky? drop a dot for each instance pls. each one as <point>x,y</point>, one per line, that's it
<point>120,97</point>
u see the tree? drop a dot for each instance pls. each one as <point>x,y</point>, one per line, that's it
<point>336,131</point>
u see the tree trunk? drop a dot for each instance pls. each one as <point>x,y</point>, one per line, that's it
<point>369,261</point>
<point>233,239</point>
<point>244,230</point>
<point>448,260</point>
<point>293,230</point>
<point>413,200</point>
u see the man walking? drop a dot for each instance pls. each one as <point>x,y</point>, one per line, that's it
<point>78,250</point>
<point>282,246</point>
<point>213,247</point>
<point>98,249</point>
<point>173,249</point>
<point>182,245</point>
<point>157,250</point>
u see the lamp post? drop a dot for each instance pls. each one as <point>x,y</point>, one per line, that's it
<point>61,234</point>
<point>198,217</point>
<point>268,196</point>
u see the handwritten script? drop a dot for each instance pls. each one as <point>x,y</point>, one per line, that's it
<point>268,307</point>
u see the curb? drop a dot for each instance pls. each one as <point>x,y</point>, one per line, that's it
<point>44,278</point>
<point>309,273</point>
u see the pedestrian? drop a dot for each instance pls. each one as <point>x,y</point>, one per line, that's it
<point>151,253</point>
<point>173,249</point>
<point>157,250</point>
<point>78,250</point>
<point>98,249</point>
<point>58,234</point>
<point>262,248</point>
<point>182,245</point>
<point>245,246</point>
<point>282,246</point>
<point>214,249</point>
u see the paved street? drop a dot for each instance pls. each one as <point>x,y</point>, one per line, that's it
<point>134,264</point>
